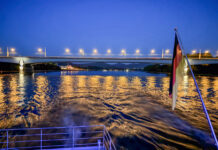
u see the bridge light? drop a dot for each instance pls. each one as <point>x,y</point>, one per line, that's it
<point>167,51</point>
<point>137,52</point>
<point>207,51</point>
<point>153,51</point>
<point>109,51</point>
<point>13,51</point>
<point>95,51</point>
<point>194,51</point>
<point>39,50</point>
<point>81,52</point>
<point>67,50</point>
<point>123,52</point>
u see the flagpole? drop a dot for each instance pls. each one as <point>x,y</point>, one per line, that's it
<point>199,93</point>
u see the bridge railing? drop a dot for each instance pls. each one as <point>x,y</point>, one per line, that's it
<point>57,137</point>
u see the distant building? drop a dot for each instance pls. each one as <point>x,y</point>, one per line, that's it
<point>69,67</point>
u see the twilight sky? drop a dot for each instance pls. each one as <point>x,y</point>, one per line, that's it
<point>131,24</point>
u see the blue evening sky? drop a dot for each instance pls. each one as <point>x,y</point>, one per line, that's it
<point>131,24</point>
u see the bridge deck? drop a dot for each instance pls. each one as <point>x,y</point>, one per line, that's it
<point>154,60</point>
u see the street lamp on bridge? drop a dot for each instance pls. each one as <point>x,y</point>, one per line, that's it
<point>194,51</point>
<point>40,51</point>
<point>108,51</point>
<point>67,51</point>
<point>167,51</point>
<point>207,51</point>
<point>152,52</point>
<point>95,51</point>
<point>11,51</point>
<point>81,52</point>
<point>123,52</point>
<point>137,52</point>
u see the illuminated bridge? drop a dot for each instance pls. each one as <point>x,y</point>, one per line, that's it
<point>154,60</point>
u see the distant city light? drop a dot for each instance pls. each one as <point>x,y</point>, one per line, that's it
<point>123,52</point>
<point>95,51</point>
<point>153,51</point>
<point>167,51</point>
<point>109,51</point>
<point>194,51</point>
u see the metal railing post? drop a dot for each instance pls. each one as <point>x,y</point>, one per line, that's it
<point>7,140</point>
<point>99,144</point>
<point>73,138</point>
<point>110,145</point>
<point>103,136</point>
<point>41,140</point>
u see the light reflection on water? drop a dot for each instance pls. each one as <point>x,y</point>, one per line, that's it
<point>134,106</point>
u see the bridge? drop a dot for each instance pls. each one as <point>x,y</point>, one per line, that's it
<point>27,63</point>
<point>151,60</point>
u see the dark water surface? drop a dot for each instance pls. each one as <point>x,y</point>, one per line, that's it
<point>134,106</point>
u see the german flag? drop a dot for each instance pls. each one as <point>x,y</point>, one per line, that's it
<point>178,63</point>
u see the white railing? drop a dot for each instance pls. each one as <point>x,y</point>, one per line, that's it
<point>95,137</point>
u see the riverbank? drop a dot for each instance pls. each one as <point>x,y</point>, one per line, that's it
<point>9,67</point>
<point>198,69</point>
<point>14,68</point>
<point>47,67</point>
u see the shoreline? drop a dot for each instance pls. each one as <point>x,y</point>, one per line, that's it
<point>200,70</point>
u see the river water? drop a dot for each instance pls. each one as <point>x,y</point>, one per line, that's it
<point>134,106</point>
